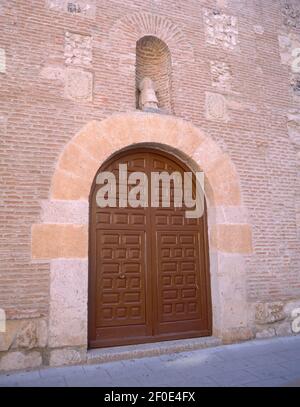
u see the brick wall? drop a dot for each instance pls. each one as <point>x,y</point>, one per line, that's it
<point>64,64</point>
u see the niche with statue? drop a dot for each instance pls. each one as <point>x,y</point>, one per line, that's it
<point>153,75</point>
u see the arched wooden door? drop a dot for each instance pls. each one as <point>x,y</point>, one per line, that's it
<point>149,270</point>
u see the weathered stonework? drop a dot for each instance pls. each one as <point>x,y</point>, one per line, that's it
<point>68,292</point>
<point>295,85</point>
<point>290,10</point>
<point>290,308</point>
<point>258,29</point>
<point>266,333</point>
<point>294,128</point>
<point>284,329</point>
<point>79,85</point>
<point>294,135</point>
<point>82,8</point>
<point>216,107</point>
<point>78,49</point>
<point>20,361</point>
<point>31,335</point>
<point>221,75</point>
<point>2,60</point>
<point>3,125</point>
<point>289,45</point>
<point>53,72</point>
<point>64,212</point>
<point>222,3</point>
<point>268,313</point>
<point>2,321</point>
<point>22,343</point>
<point>3,7</point>
<point>24,334</point>
<point>71,241</point>
<point>221,29</point>
<point>67,356</point>
<point>232,238</point>
<point>274,319</point>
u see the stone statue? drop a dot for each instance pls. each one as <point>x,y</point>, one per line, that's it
<point>148,99</point>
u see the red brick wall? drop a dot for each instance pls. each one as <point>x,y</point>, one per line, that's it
<point>40,112</point>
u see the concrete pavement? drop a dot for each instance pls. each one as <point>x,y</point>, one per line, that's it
<point>272,362</point>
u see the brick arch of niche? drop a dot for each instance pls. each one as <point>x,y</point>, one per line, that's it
<point>124,36</point>
<point>153,60</point>
<point>62,237</point>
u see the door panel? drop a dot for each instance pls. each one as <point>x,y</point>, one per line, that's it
<point>121,274</point>
<point>149,272</point>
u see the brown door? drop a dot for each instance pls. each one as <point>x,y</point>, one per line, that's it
<point>149,272</point>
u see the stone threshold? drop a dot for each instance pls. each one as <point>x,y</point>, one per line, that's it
<point>105,355</point>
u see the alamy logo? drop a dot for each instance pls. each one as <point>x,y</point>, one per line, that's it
<point>185,190</point>
<point>2,321</point>
<point>296,321</point>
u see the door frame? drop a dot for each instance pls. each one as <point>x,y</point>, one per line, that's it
<point>65,213</point>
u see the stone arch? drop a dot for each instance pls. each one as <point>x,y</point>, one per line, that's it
<point>62,238</point>
<point>98,140</point>
<point>129,29</point>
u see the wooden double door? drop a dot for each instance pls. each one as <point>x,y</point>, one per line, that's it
<point>149,270</point>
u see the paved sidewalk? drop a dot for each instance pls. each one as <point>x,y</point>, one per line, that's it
<point>274,362</point>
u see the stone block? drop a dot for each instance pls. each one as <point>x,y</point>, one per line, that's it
<point>66,186</point>
<point>61,357</point>
<point>68,303</point>
<point>53,72</point>
<point>2,321</point>
<point>258,29</point>
<point>223,174</point>
<point>7,337</point>
<point>75,212</point>
<point>207,154</point>
<point>237,334</point>
<point>78,162</point>
<point>28,335</point>
<point>231,238</point>
<point>284,329</point>
<point>51,241</point>
<point>216,107</point>
<point>78,49</point>
<point>266,333</point>
<point>20,360</point>
<point>268,313</point>
<point>79,85</point>
<point>221,29</point>
<point>290,307</point>
<point>291,13</point>
<point>24,334</point>
<point>80,8</point>
<point>3,125</point>
<point>221,75</point>
<point>294,128</point>
<point>2,60</point>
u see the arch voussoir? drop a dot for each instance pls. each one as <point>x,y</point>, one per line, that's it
<point>229,233</point>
